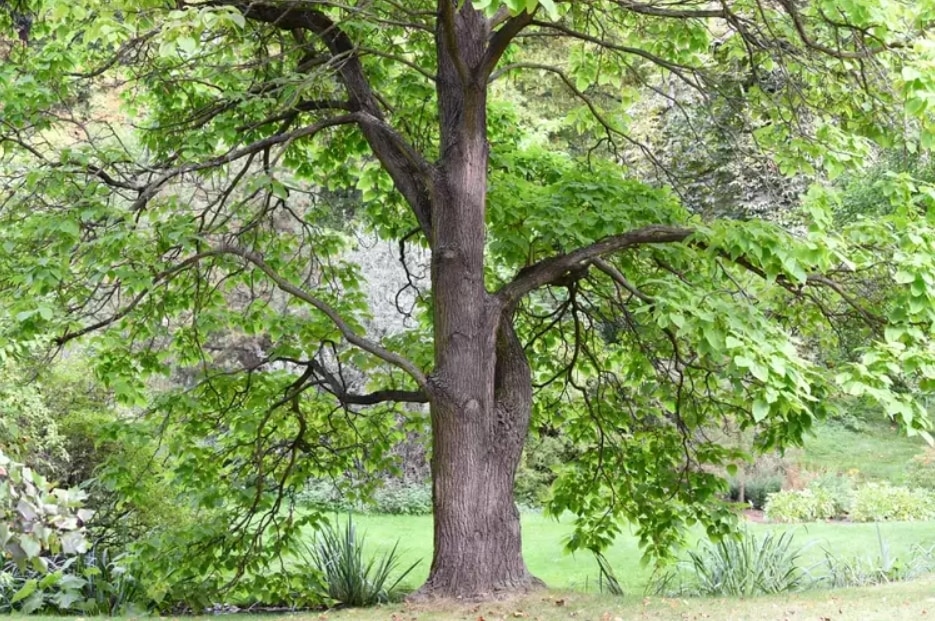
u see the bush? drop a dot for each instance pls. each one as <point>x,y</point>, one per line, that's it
<point>28,429</point>
<point>840,489</point>
<point>807,505</point>
<point>119,463</point>
<point>403,500</point>
<point>324,495</point>
<point>92,583</point>
<point>876,502</point>
<point>349,578</point>
<point>921,471</point>
<point>736,567</point>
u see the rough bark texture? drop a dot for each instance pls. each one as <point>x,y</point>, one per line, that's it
<point>482,388</point>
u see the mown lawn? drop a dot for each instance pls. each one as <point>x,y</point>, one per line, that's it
<point>909,601</point>
<point>879,451</point>
<point>543,540</point>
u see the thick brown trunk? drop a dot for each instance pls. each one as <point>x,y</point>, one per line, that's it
<point>478,546</point>
<point>481,384</point>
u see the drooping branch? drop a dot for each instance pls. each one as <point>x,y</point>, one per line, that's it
<point>679,70</point>
<point>549,270</point>
<point>133,303</point>
<point>342,325</point>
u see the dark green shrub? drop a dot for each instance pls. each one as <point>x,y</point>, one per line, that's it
<point>118,463</point>
<point>543,456</point>
<point>349,578</point>
<point>755,490</point>
<point>29,432</point>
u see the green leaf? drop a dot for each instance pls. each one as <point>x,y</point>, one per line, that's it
<point>28,588</point>
<point>760,410</point>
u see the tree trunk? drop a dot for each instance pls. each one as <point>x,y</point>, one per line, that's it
<point>481,385</point>
<point>477,447</point>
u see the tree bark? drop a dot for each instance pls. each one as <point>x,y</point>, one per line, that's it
<point>481,387</point>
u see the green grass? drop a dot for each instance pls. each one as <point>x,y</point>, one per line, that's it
<point>543,540</point>
<point>893,602</point>
<point>880,451</point>
<point>905,601</point>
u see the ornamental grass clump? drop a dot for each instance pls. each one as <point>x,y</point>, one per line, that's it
<point>350,579</point>
<point>742,566</point>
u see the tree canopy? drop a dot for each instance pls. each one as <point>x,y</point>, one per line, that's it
<point>183,182</point>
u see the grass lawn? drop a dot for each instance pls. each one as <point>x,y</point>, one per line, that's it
<point>543,540</point>
<point>910,601</point>
<point>880,451</point>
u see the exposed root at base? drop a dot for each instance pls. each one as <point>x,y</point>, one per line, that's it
<point>430,593</point>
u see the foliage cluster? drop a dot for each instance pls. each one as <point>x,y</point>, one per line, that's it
<point>90,583</point>
<point>390,498</point>
<point>29,430</point>
<point>37,518</point>
<point>545,455</point>
<point>806,505</point>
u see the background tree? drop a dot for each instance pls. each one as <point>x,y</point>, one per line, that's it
<point>210,208</point>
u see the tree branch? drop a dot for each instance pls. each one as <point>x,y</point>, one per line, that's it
<point>501,40</point>
<point>411,173</point>
<point>789,7</point>
<point>153,188</point>
<point>339,390</point>
<point>646,8</point>
<point>549,270</point>
<point>346,330</point>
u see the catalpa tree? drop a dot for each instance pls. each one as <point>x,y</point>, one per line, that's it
<point>183,180</point>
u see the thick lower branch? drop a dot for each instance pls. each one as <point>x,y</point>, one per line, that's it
<point>549,270</point>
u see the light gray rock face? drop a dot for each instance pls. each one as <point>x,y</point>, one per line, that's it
<point>394,282</point>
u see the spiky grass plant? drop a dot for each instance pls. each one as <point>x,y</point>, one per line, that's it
<point>351,579</point>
